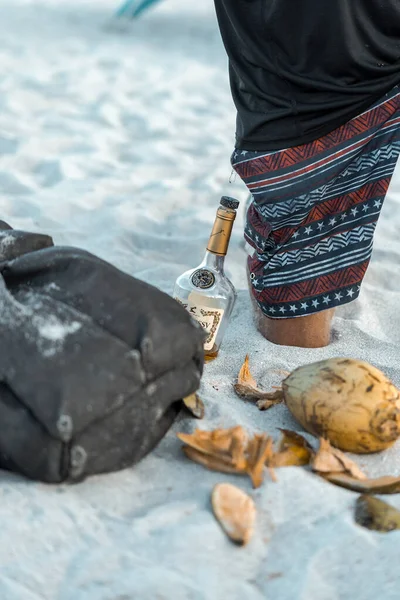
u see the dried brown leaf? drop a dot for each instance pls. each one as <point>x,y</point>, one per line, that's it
<point>235,511</point>
<point>230,451</point>
<point>245,377</point>
<point>246,387</point>
<point>195,406</point>
<point>376,514</point>
<point>291,438</point>
<point>331,460</point>
<point>199,440</point>
<point>274,398</point>
<point>293,450</point>
<point>220,442</point>
<point>382,485</point>
<point>259,454</point>
<point>212,462</point>
<point>238,448</point>
<point>293,457</point>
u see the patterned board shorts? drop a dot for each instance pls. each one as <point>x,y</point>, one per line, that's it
<point>314,210</point>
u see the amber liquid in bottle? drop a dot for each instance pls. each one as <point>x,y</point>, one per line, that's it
<point>206,292</point>
<point>211,354</point>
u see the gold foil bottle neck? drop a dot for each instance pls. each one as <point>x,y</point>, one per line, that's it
<point>221,232</point>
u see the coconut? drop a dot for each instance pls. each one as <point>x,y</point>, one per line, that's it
<point>349,402</point>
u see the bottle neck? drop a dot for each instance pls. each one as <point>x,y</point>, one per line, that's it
<point>214,261</point>
<point>221,232</point>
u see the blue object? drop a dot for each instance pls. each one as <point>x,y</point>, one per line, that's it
<point>134,8</point>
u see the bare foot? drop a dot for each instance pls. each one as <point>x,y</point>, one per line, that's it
<point>313,331</point>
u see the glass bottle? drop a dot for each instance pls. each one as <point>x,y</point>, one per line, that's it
<point>206,292</point>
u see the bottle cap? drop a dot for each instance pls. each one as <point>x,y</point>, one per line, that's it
<point>228,202</point>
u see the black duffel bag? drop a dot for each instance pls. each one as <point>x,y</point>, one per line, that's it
<point>93,362</point>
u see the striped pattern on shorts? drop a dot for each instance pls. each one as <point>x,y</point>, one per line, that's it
<point>314,211</point>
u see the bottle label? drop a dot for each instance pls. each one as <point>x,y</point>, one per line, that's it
<point>203,279</point>
<point>209,318</point>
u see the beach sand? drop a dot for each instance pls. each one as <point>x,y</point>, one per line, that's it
<point>116,138</point>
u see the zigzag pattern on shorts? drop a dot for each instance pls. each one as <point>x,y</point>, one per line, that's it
<point>300,204</point>
<point>366,124</point>
<point>313,217</point>
<point>348,168</point>
<point>314,287</point>
<point>347,239</point>
<point>342,210</point>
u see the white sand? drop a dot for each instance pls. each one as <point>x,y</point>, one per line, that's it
<point>118,141</point>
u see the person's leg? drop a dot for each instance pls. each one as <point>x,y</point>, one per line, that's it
<point>311,222</point>
<point>313,331</point>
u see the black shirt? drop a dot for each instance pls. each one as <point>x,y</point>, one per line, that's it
<point>301,68</point>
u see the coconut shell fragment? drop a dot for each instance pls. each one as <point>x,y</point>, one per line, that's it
<point>195,406</point>
<point>235,511</point>
<point>330,460</point>
<point>348,402</point>
<point>231,451</point>
<point>382,485</point>
<point>259,454</point>
<point>247,388</point>
<point>293,451</point>
<point>229,444</point>
<point>376,514</point>
<point>214,463</point>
